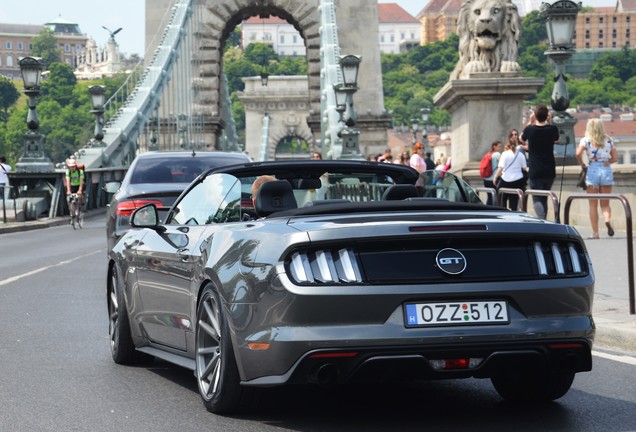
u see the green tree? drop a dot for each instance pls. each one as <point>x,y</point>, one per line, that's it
<point>288,65</point>
<point>59,84</point>
<point>533,31</point>
<point>260,54</point>
<point>623,62</point>
<point>236,70</point>
<point>533,61</point>
<point>233,39</point>
<point>9,94</point>
<point>45,45</point>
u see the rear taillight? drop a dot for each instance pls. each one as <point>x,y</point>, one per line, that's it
<point>125,208</point>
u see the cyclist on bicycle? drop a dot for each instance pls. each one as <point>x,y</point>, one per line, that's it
<point>74,179</point>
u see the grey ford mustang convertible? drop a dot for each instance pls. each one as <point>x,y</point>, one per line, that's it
<point>346,271</point>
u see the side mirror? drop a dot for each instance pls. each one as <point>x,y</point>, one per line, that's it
<point>146,217</point>
<point>112,187</point>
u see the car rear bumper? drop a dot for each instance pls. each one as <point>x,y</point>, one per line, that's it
<point>321,358</point>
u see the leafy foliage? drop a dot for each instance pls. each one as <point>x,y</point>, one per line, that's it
<point>45,45</point>
<point>64,111</point>
<point>8,96</point>
<point>59,86</point>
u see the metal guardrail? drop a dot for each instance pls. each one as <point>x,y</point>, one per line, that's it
<point>550,194</point>
<point>47,191</point>
<point>4,202</point>
<point>628,227</point>
<point>492,192</point>
<point>511,191</point>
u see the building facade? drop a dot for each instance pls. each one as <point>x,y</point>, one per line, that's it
<point>606,27</point>
<point>398,32</point>
<point>16,42</point>
<point>275,32</point>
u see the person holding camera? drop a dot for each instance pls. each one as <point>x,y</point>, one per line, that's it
<point>538,138</point>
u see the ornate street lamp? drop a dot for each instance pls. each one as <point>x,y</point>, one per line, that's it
<point>33,158</point>
<point>182,124</point>
<point>264,77</point>
<point>349,66</point>
<point>415,126</point>
<point>98,99</point>
<point>560,22</point>
<point>426,112</point>
<point>341,100</point>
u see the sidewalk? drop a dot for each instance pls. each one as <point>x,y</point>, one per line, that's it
<point>11,227</point>
<point>615,327</point>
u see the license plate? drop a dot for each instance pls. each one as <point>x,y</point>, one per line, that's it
<point>456,313</point>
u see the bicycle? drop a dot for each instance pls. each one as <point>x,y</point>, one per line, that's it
<point>74,210</point>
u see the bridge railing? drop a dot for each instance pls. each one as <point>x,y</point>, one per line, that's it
<point>628,226</point>
<point>129,109</point>
<point>34,195</point>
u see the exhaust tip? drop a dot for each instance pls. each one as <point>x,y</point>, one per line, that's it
<point>324,374</point>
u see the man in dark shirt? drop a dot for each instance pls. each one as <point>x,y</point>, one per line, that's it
<point>430,165</point>
<point>538,140</point>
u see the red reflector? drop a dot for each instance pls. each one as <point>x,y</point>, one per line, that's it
<point>456,363</point>
<point>125,208</point>
<point>448,228</point>
<point>333,355</point>
<point>565,345</point>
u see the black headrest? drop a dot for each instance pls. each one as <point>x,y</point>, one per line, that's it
<point>274,196</point>
<point>400,192</point>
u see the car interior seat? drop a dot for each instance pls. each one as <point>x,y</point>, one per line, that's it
<point>400,192</point>
<point>274,196</point>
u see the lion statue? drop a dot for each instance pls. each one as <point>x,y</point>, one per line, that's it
<point>489,33</point>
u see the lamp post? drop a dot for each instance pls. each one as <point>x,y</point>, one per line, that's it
<point>415,126</point>
<point>153,134</point>
<point>33,159</point>
<point>560,22</point>
<point>426,112</point>
<point>182,124</point>
<point>264,77</point>
<point>349,65</point>
<point>98,99</point>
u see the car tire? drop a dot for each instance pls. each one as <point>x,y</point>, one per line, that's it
<point>121,344</point>
<point>532,385</point>
<point>216,370</point>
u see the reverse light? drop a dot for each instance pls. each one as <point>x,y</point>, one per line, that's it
<point>125,208</point>
<point>455,364</point>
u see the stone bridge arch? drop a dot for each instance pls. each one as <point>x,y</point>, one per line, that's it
<point>355,20</point>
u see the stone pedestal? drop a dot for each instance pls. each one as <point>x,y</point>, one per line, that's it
<point>483,108</point>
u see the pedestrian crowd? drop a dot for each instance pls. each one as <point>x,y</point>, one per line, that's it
<point>527,162</point>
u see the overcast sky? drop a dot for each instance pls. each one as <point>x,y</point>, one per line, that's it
<point>91,15</point>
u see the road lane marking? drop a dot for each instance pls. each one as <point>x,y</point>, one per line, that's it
<point>61,263</point>
<point>619,358</point>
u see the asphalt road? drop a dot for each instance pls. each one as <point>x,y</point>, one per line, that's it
<point>57,373</point>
